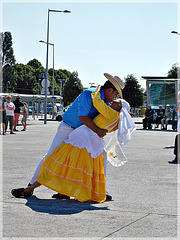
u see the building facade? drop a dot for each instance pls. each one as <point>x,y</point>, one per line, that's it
<point>162,91</point>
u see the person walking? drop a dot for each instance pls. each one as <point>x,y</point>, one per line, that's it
<point>18,104</point>
<point>10,107</point>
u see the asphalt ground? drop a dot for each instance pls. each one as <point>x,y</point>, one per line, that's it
<point>144,191</point>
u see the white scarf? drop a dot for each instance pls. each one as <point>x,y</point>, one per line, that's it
<point>120,137</point>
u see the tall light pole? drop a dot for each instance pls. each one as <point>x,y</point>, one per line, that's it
<point>62,81</point>
<point>52,44</point>
<point>46,80</point>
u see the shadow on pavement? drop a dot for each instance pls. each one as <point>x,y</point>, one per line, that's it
<point>60,207</point>
<point>168,147</point>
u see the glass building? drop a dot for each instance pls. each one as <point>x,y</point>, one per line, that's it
<point>162,91</point>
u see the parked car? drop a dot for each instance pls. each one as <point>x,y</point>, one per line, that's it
<point>59,115</point>
<point>61,112</point>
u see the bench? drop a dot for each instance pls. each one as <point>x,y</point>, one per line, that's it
<point>173,123</point>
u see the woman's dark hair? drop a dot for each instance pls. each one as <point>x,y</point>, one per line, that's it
<point>108,84</point>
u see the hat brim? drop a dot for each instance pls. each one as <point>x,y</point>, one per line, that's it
<point>117,83</point>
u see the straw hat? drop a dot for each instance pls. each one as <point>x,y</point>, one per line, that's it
<point>117,82</point>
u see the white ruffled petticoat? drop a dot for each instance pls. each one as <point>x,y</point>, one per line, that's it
<point>83,137</point>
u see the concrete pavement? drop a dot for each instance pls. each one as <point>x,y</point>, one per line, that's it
<point>144,191</point>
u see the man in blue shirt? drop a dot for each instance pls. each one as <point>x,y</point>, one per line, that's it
<point>81,112</point>
<point>82,106</point>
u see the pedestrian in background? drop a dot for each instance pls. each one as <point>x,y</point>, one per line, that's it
<point>167,118</point>
<point>160,115</point>
<point>55,110</point>
<point>10,107</point>
<point>3,115</point>
<point>24,118</point>
<point>18,104</point>
<point>148,118</point>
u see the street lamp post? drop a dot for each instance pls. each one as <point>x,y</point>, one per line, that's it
<point>52,44</point>
<point>39,86</point>
<point>46,80</point>
<point>62,81</point>
<point>38,96</point>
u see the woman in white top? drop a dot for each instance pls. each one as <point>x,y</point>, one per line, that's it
<point>10,107</point>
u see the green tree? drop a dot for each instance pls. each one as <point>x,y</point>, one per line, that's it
<point>34,63</point>
<point>173,72</point>
<point>72,88</point>
<point>38,69</point>
<point>8,61</point>
<point>133,93</point>
<point>8,52</point>
<point>25,79</point>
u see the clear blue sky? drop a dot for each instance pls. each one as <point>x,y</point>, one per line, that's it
<point>118,37</point>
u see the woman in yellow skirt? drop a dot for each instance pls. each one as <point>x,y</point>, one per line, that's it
<point>76,167</point>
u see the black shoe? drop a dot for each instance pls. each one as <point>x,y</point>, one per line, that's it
<point>60,196</point>
<point>15,130</point>
<point>174,161</point>
<point>12,133</point>
<point>108,197</point>
<point>19,192</point>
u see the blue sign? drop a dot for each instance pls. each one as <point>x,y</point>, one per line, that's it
<point>53,97</point>
<point>43,75</point>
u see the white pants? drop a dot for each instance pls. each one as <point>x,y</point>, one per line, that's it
<point>62,134</point>
<point>164,122</point>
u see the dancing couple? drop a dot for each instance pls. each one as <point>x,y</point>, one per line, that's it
<point>76,163</point>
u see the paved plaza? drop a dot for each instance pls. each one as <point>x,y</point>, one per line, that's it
<point>144,191</point>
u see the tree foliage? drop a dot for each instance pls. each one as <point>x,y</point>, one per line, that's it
<point>173,72</point>
<point>8,52</point>
<point>72,88</point>
<point>8,60</point>
<point>25,79</point>
<point>133,93</point>
<point>35,64</point>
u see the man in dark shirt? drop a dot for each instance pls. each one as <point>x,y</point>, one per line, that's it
<point>18,104</point>
<point>148,118</point>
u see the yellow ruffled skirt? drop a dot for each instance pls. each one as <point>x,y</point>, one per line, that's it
<point>72,171</point>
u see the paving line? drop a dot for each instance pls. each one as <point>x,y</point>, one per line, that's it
<point>126,226</point>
